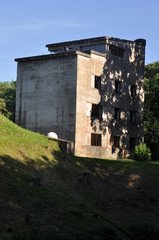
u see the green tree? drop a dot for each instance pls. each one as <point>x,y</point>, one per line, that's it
<point>8,98</point>
<point>151,118</point>
<point>2,105</point>
<point>142,153</point>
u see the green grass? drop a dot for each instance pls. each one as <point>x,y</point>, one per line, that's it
<point>79,198</point>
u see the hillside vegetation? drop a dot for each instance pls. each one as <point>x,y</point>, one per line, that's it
<point>151,108</point>
<point>44,196</point>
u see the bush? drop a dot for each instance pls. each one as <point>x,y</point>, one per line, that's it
<point>7,99</point>
<point>2,105</point>
<point>142,153</point>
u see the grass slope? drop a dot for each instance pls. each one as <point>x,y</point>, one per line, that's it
<point>44,196</point>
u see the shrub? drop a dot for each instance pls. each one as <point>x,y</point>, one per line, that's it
<point>142,153</point>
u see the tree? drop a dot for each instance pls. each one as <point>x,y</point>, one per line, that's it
<point>2,105</point>
<point>7,99</point>
<point>142,153</point>
<point>151,118</point>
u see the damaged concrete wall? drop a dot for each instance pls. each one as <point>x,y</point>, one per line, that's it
<point>91,98</point>
<point>46,95</point>
<point>128,72</point>
<point>89,67</point>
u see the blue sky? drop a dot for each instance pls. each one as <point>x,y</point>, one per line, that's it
<point>27,26</point>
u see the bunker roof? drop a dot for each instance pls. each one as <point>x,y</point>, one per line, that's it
<point>95,41</point>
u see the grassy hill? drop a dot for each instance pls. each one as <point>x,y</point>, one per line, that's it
<point>44,196</point>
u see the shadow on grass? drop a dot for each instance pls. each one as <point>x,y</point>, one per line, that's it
<point>62,194</point>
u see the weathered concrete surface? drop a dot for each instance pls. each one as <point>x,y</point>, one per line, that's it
<point>46,95</point>
<point>128,70</point>
<point>57,92</point>
<point>87,94</point>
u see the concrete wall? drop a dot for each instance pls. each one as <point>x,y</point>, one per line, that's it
<point>46,95</point>
<point>89,67</point>
<point>128,70</point>
<point>56,93</point>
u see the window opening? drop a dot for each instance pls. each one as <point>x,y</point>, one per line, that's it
<point>96,139</point>
<point>133,90</point>
<point>117,87</point>
<point>132,143</point>
<point>117,114</point>
<point>97,82</point>
<point>116,143</point>
<point>99,48</point>
<point>116,51</point>
<point>132,116</point>
<point>96,111</point>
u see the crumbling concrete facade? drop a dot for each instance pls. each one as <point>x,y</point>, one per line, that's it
<point>88,91</point>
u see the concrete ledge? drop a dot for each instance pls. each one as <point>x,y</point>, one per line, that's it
<point>51,56</point>
<point>66,146</point>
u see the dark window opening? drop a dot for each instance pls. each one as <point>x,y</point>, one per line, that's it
<point>97,82</point>
<point>117,114</point>
<point>132,143</point>
<point>116,51</point>
<point>96,139</point>
<point>96,111</point>
<point>132,116</point>
<point>116,143</point>
<point>133,90</point>
<point>98,48</point>
<point>117,87</point>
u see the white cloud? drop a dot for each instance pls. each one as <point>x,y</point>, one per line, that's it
<point>41,25</point>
